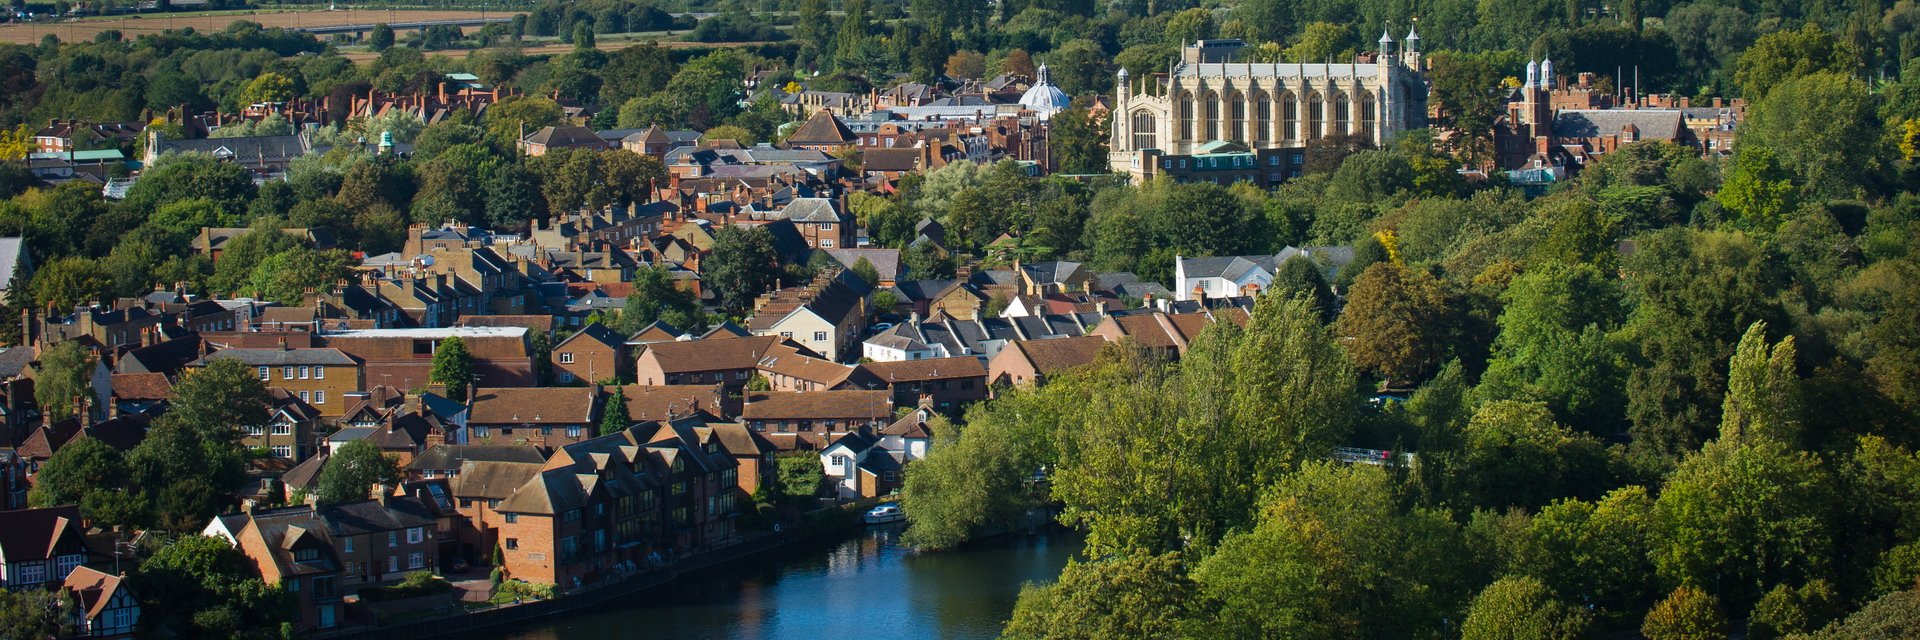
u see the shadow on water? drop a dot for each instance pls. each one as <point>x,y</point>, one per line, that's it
<point>868,585</point>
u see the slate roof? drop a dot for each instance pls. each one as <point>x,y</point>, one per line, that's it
<point>373,516</point>
<point>566,136</point>
<point>810,210</point>
<point>444,457</point>
<point>901,159</point>
<point>14,361</point>
<point>1653,124</point>
<point>33,534</point>
<point>886,262</point>
<point>279,357</point>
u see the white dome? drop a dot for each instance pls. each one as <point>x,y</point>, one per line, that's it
<point>1044,98</point>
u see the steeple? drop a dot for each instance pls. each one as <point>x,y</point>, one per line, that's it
<point>1546,73</point>
<point>1533,74</point>
<point>1413,39</point>
<point>1386,42</point>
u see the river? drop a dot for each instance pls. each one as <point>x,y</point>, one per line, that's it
<point>867,586</point>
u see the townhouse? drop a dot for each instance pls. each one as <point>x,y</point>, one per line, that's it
<point>402,358</point>
<point>39,547</point>
<point>320,377</point>
<point>826,316</point>
<point>946,384</point>
<point>809,420</point>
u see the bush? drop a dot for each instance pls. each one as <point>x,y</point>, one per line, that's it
<point>523,590</point>
<point>417,583</point>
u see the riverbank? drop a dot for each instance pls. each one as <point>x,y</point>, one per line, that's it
<point>864,585</point>
<point>821,528</point>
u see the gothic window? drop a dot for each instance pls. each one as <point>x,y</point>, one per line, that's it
<point>1184,107</point>
<point>1212,120</point>
<point>1289,117</point>
<point>1367,115</point>
<point>1316,115</point>
<point>1341,117</point>
<point>1237,116</point>
<point>1143,130</point>
<point>1262,117</point>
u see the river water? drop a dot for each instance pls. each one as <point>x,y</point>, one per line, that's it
<point>868,586</point>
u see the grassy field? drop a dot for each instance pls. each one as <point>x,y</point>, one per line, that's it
<point>135,25</point>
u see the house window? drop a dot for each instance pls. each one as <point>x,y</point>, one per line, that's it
<point>786,334</point>
<point>826,243</point>
<point>393,539</point>
<point>66,564</point>
<point>348,544</point>
<point>481,432</point>
<point>265,373</point>
<point>573,431</point>
<point>513,543</point>
<point>416,560</point>
<point>512,517</point>
<point>820,336</point>
<point>254,430</point>
<point>34,573</point>
<point>566,358</point>
<point>566,376</point>
<point>306,372</point>
<point>319,396</point>
<point>319,372</point>
<point>282,428</point>
<point>415,535</point>
<point>393,564</point>
<point>286,373</point>
<point>573,515</point>
<point>283,451</point>
<point>306,396</point>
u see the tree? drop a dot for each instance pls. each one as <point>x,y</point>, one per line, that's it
<point>867,272</point>
<point>1331,556</point>
<point>1791,612</point>
<point>925,261</point>
<point>1891,617</point>
<point>1126,597</point>
<point>742,267</point>
<point>1521,608</point>
<point>201,586</point>
<point>1554,347</point>
<point>1397,320</point>
<point>353,469</point>
<point>67,282</point>
<point>1740,516</point>
<point>583,36</point>
<point>31,614</point>
<point>1515,455</point>
<point>381,38</point>
<point>966,64</point>
<point>1758,191</point>
<point>453,367</point>
<point>1594,552</point>
<point>1687,614</point>
<point>615,418</point>
<point>508,118</point>
<point>1763,390</point>
<point>1079,141</point>
<point>1782,56</point>
<point>82,466</point>
<point>1815,121</point>
<point>800,477</point>
<point>65,377</point>
<point>729,132</point>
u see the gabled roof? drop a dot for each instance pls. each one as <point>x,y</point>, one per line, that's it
<point>657,331</point>
<point>1052,356</point>
<point>596,332</point>
<point>27,535</point>
<point>566,136</point>
<point>94,588</point>
<point>663,402</point>
<point>493,480</point>
<point>279,357</point>
<point>373,516</point>
<point>443,457</point>
<point>817,405</point>
<point>822,128</point>
<point>709,354</point>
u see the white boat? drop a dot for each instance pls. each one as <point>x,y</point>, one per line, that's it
<point>884,514</point>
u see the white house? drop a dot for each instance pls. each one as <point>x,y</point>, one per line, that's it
<point>854,463</point>
<point>901,343</point>
<point>1226,276</point>
<point>39,546</point>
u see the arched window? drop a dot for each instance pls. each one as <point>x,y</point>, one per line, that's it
<point>1236,116</point>
<point>1316,116</point>
<point>1262,117</point>
<point>1367,116</point>
<point>1184,115</point>
<point>1143,130</point>
<point>1289,117</point>
<point>1341,117</point>
<point>1211,123</point>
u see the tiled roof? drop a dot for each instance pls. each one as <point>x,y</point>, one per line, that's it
<point>279,357</point>
<point>442,457</point>
<point>1653,124</point>
<point>818,405</point>
<point>663,402</point>
<point>711,354</point>
<point>32,534</point>
<point>532,405</point>
<point>822,128</point>
<point>142,386</point>
<point>1055,355</point>
<point>496,480</point>
<point>928,369</point>
<point>566,136</point>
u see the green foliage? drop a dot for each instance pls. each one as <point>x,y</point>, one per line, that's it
<point>742,267</point>
<point>614,418</point>
<point>800,477</point>
<point>201,586</point>
<point>1783,611</point>
<point>353,470</point>
<point>1130,597</point>
<point>1743,515</point>
<point>65,377</point>
<point>1763,389</point>
<point>1687,614</point>
<point>380,38</point>
<point>35,613</point>
<point>452,366</point>
<point>1522,608</point>
<point>655,296</point>
<point>1397,320</point>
